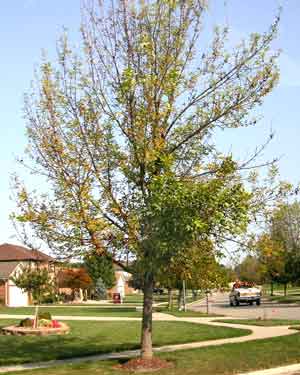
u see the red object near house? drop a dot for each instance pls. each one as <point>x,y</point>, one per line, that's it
<point>116,297</point>
<point>55,324</point>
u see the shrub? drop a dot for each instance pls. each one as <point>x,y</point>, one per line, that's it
<point>45,323</point>
<point>26,323</point>
<point>44,315</point>
<point>49,298</point>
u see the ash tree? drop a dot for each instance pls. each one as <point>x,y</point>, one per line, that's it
<point>122,131</point>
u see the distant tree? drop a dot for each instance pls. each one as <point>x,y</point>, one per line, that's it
<point>285,229</point>
<point>100,267</point>
<point>195,265</point>
<point>230,274</point>
<point>75,279</point>
<point>272,259</point>
<point>101,289</point>
<point>279,247</point>
<point>249,270</point>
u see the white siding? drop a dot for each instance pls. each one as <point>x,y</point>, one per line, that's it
<point>16,297</point>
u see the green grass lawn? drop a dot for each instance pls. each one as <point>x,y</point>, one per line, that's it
<point>108,311</point>
<point>112,311</point>
<point>290,298</point>
<point>86,338</point>
<point>187,314</point>
<point>278,289</point>
<point>227,359</point>
<point>158,298</point>
<point>261,322</point>
<point>134,299</point>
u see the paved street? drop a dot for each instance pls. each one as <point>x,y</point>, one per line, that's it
<point>219,304</point>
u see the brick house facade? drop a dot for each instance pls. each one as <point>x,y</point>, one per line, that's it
<point>13,259</point>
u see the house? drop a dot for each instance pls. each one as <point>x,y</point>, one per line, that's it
<point>122,282</point>
<point>77,279</point>
<point>13,259</point>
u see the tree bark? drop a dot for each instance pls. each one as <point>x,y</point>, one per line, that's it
<point>285,289</point>
<point>195,294</point>
<point>170,299</point>
<point>179,301</point>
<point>146,342</point>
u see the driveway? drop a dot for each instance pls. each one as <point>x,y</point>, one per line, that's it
<point>219,304</point>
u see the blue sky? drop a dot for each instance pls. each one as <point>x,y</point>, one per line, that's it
<point>28,26</point>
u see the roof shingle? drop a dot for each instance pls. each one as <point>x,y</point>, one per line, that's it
<point>10,252</point>
<point>6,269</point>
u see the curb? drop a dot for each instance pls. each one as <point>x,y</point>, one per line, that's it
<point>283,370</point>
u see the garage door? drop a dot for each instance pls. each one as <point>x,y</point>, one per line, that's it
<point>17,297</point>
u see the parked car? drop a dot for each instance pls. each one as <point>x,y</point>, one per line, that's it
<point>243,292</point>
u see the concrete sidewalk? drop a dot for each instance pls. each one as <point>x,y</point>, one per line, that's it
<point>282,370</point>
<point>258,333</point>
<point>156,316</point>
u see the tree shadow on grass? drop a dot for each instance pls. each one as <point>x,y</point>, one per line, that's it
<point>85,339</point>
<point>18,349</point>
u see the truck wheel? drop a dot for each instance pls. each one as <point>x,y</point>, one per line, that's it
<point>258,302</point>
<point>236,302</point>
<point>251,303</point>
<point>231,303</point>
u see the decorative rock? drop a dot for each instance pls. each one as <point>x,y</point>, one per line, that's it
<point>40,331</point>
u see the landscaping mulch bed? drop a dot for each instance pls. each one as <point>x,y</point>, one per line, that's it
<point>40,331</point>
<point>145,365</point>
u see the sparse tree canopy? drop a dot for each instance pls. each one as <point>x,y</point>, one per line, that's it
<point>250,269</point>
<point>122,130</point>
<point>35,281</point>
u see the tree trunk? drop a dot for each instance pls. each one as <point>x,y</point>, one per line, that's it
<point>179,301</point>
<point>36,316</point>
<point>272,290</point>
<point>195,294</point>
<point>170,299</point>
<point>285,289</point>
<point>146,342</point>
<point>81,295</point>
<point>207,303</point>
